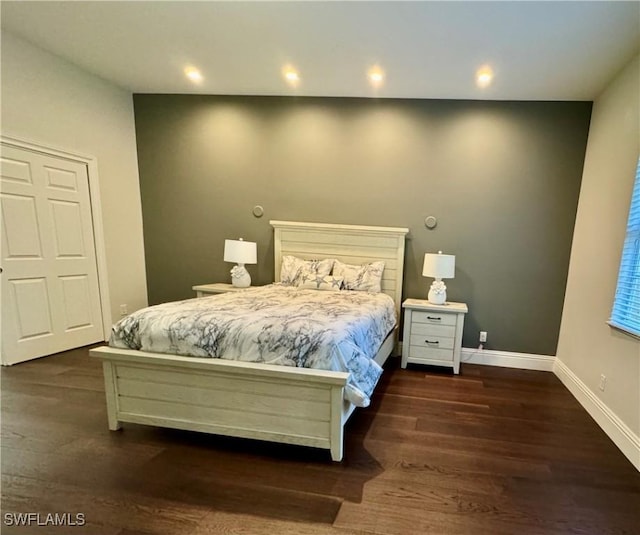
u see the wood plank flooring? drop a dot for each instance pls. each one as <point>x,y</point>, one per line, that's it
<point>491,451</point>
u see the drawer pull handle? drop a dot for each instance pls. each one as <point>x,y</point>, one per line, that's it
<point>434,318</point>
<point>430,342</point>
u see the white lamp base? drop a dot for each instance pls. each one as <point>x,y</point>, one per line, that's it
<point>437,293</point>
<point>240,277</point>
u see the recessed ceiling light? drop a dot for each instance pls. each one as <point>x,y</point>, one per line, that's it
<point>290,75</point>
<point>375,75</point>
<point>193,74</point>
<point>484,76</point>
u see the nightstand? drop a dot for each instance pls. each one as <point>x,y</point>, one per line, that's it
<point>216,288</point>
<point>432,333</point>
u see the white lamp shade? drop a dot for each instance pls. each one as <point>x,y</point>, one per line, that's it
<point>240,251</point>
<point>439,266</point>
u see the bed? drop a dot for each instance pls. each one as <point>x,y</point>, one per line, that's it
<point>285,404</point>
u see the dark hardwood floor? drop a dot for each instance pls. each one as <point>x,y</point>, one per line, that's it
<point>491,451</point>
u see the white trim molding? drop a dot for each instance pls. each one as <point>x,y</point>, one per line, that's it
<point>508,359</point>
<point>621,435</point>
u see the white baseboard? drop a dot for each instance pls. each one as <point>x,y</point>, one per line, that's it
<point>623,437</point>
<point>507,359</point>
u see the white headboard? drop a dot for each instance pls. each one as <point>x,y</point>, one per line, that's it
<point>351,244</point>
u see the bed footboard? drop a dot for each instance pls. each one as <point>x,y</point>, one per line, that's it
<point>232,398</point>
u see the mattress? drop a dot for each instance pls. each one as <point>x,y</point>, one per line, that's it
<point>274,324</point>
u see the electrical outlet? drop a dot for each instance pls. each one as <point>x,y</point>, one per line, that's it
<point>603,382</point>
<point>124,310</point>
<point>483,336</point>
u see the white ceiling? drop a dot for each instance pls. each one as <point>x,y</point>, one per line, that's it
<point>538,50</point>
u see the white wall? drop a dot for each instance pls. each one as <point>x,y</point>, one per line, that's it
<point>48,101</point>
<point>588,347</point>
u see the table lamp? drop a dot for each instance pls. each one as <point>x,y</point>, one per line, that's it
<point>242,252</point>
<point>439,266</point>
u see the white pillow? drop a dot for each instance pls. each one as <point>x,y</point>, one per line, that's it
<point>293,269</point>
<point>329,283</point>
<point>364,278</point>
<point>311,269</point>
<point>289,270</point>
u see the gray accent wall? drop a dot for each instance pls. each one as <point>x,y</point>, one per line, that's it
<point>502,178</point>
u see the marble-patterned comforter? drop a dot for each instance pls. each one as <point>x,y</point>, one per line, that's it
<point>274,324</point>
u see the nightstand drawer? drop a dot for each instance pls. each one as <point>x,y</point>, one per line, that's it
<point>432,342</point>
<point>433,318</point>
<point>433,330</point>
<point>418,353</point>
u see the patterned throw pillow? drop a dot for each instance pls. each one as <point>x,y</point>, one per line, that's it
<point>294,271</point>
<point>311,269</point>
<point>289,270</point>
<point>329,282</point>
<point>364,278</point>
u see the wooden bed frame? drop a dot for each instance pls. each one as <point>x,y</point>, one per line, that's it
<point>243,399</point>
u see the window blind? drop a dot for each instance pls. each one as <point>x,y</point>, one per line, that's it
<point>626,305</point>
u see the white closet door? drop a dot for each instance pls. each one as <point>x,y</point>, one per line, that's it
<point>50,292</point>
